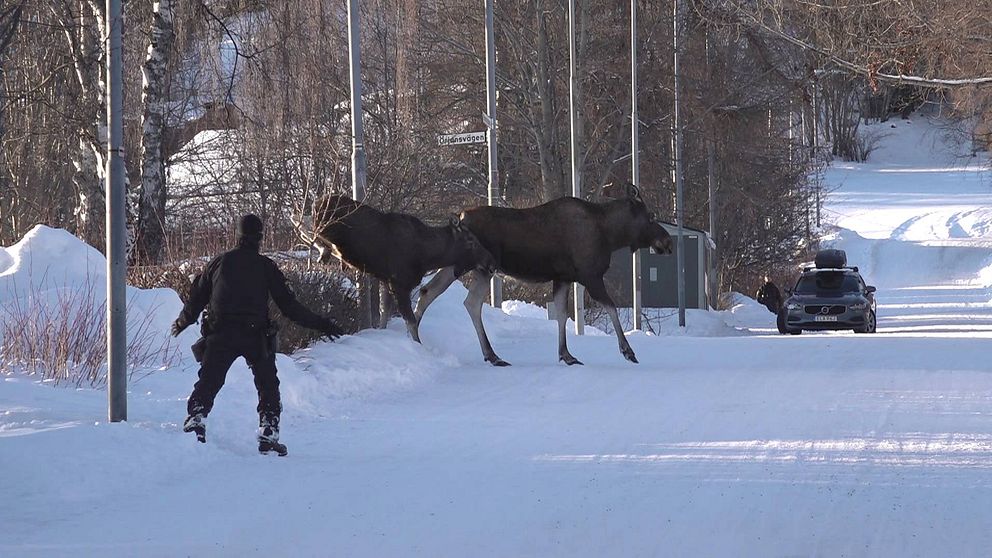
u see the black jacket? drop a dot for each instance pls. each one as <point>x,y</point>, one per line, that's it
<point>236,287</point>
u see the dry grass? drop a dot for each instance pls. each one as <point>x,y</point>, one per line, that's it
<point>60,335</point>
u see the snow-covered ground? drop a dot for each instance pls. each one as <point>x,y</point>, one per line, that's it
<point>727,439</point>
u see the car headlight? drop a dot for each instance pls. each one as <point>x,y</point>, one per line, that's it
<point>794,306</point>
<point>858,306</point>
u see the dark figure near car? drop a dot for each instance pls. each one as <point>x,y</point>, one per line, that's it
<point>234,289</point>
<point>770,296</point>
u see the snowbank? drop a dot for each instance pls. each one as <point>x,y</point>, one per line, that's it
<point>920,143</point>
<point>747,313</point>
<point>50,258</point>
<point>367,365</point>
<point>525,309</point>
<point>897,263</point>
<point>51,272</point>
<point>6,260</point>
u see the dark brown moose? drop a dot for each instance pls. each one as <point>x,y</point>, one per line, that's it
<point>566,240</point>
<point>395,248</point>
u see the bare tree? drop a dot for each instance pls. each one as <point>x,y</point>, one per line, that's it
<point>83,25</point>
<point>150,228</point>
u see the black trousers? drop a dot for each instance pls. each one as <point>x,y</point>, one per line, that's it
<point>223,348</point>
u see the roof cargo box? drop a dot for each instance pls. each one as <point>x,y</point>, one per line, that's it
<point>831,259</point>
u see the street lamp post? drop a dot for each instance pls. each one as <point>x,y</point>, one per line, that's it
<point>496,285</point>
<point>679,171</point>
<point>116,229</point>
<point>635,175</point>
<point>358,162</point>
<point>578,292</point>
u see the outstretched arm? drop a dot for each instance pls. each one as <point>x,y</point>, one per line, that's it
<point>292,309</point>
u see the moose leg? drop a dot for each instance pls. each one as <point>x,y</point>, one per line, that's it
<point>386,305</point>
<point>402,297</point>
<point>473,303</point>
<point>597,290</point>
<point>433,289</point>
<point>323,253</point>
<point>560,292</point>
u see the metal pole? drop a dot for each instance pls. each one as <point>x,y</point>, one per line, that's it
<point>816,141</point>
<point>635,175</point>
<point>679,178</point>
<point>578,293</point>
<point>496,285</point>
<point>714,283</point>
<point>358,163</point>
<point>711,271</point>
<point>116,230</point>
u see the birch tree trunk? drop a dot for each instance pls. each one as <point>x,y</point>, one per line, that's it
<point>10,16</point>
<point>552,174</point>
<point>150,230</point>
<point>91,160</point>
<point>84,24</point>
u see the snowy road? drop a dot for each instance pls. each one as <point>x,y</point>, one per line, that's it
<point>723,442</point>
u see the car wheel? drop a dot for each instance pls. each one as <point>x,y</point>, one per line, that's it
<point>870,325</point>
<point>795,332</point>
<point>780,322</point>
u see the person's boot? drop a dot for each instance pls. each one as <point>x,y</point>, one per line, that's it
<point>195,423</point>
<point>268,435</point>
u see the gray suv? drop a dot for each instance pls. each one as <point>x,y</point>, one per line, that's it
<point>829,296</point>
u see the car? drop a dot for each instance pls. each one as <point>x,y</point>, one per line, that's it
<point>829,296</point>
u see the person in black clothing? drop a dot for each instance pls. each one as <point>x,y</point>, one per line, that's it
<point>234,289</point>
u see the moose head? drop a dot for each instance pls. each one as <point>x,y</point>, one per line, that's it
<point>471,253</point>
<point>647,230</point>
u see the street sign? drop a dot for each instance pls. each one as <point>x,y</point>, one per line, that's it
<point>459,139</point>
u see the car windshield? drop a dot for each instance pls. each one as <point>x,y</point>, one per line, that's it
<point>829,282</point>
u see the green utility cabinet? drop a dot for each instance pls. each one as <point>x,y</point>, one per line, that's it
<point>659,282</point>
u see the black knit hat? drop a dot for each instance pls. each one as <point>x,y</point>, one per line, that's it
<point>250,227</point>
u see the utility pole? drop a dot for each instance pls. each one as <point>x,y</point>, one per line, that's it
<point>578,293</point>
<point>815,143</point>
<point>679,176</point>
<point>358,162</point>
<point>116,229</point>
<point>711,271</point>
<point>496,285</point>
<point>635,175</point>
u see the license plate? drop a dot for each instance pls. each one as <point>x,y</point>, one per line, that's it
<point>825,319</point>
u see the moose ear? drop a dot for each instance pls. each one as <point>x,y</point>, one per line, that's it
<point>633,192</point>
<point>455,222</point>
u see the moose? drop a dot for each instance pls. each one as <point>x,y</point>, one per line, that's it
<point>395,248</point>
<point>563,241</point>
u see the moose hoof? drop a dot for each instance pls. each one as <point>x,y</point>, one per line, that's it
<point>496,361</point>
<point>629,355</point>
<point>569,359</point>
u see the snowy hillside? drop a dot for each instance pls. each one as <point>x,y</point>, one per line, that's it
<point>727,439</point>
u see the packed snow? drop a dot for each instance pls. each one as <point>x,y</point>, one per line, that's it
<point>727,439</point>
